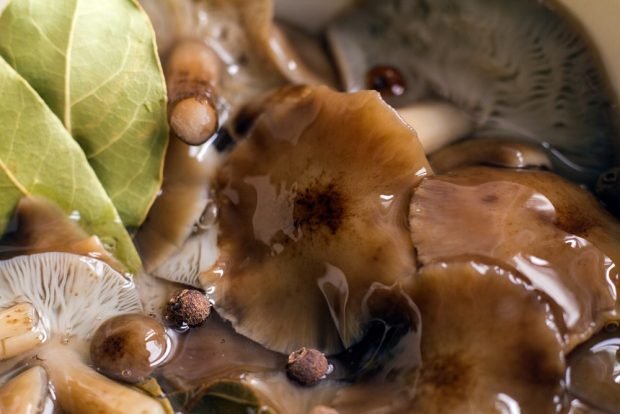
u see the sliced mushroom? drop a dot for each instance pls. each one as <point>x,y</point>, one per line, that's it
<point>71,294</point>
<point>550,231</point>
<point>519,69</point>
<point>306,225</point>
<point>26,393</point>
<point>487,345</point>
<point>489,151</point>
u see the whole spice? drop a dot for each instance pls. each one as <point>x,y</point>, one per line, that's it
<point>188,307</point>
<point>307,366</point>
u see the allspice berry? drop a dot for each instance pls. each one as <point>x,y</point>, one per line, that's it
<point>307,366</point>
<point>188,307</point>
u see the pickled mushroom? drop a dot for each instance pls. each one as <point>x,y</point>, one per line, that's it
<point>519,69</point>
<point>552,233</point>
<point>297,199</point>
<point>43,227</point>
<point>175,217</point>
<point>494,152</point>
<point>70,294</point>
<point>26,393</point>
<point>487,343</point>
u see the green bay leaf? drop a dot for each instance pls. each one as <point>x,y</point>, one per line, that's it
<point>95,64</point>
<point>39,157</point>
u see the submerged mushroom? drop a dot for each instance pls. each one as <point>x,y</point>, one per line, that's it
<point>491,152</point>
<point>551,232</point>
<point>594,371</point>
<point>26,393</point>
<point>313,217</point>
<point>518,68</point>
<point>487,345</point>
<point>183,207</point>
<point>257,56</point>
<point>43,227</point>
<point>70,295</point>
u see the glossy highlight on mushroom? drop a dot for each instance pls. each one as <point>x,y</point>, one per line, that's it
<point>305,223</point>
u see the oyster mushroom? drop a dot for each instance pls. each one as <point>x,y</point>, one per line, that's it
<point>487,346</point>
<point>518,68</point>
<point>27,393</point>
<point>70,295</point>
<point>306,226</point>
<point>551,232</point>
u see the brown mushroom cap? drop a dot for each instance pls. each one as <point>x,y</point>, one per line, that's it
<point>312,214</point>
<point>549,231</point>
<point>486,343</point>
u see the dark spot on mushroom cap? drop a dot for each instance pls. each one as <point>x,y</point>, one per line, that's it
<point>449,375</point>
<point>316,207</point>
<point>113,346</point>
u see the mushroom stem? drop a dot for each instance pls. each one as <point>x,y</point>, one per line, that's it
<point>437,123</point>
<point>19,331</point>
<point>81,390</point>
<point>26,393</point>
<point>507,153</point>
<point>191,75</point>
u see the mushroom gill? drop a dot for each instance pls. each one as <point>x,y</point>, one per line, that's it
<point>552,233</point>
<point>487,344</point>
<point>70,295</point>
<point>313,208</point>
<point>519,68</point>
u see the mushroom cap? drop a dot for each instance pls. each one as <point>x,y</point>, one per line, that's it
<point>42,226</point>
<point>70,293</point>
<point>313,213</point>
<point>518,67</point>
<point>552,233</point>
<point>487,343</point>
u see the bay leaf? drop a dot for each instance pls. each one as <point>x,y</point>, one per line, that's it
<point>95,64</point>
<point>39,157</point>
